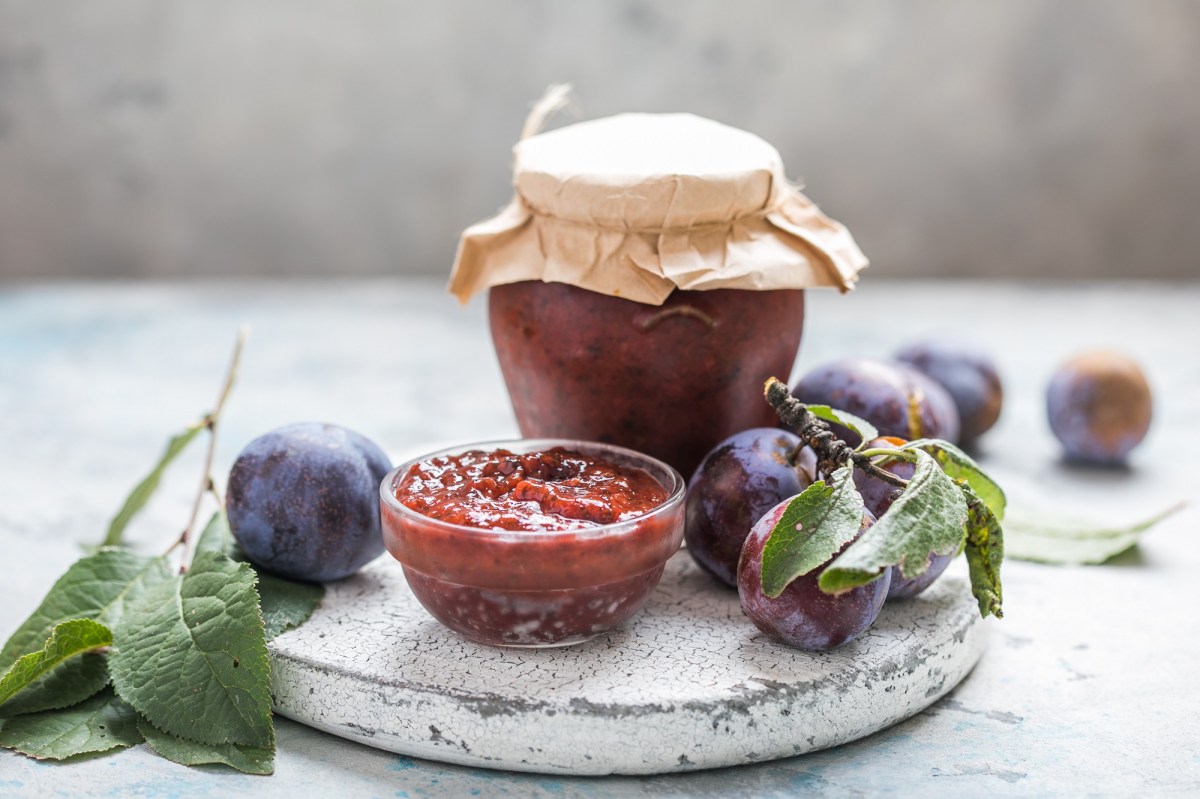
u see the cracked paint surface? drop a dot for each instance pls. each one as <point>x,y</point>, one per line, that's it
<point>688,684</point>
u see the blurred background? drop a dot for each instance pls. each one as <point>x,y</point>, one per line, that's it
<point>188,138</point>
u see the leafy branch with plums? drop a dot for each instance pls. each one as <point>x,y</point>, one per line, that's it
<point>820,522</point>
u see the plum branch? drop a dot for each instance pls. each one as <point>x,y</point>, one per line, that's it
<point>210,421</point>
<point>831,451</point>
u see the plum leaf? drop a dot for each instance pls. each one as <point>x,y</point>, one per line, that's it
<point>985,552</point>
<point>217,537</point>
<point>99,724</point>
<point>285,603</point>
<point>926,518</point>
<point>1073,542</point>
<point>98,587</point>
<point>961,466</point>
<point>36,682</point>
<point>190,655</point>
<point>247,759</point>
<point>864,429</point>
<point>815,525</point>
<point>142,492</point>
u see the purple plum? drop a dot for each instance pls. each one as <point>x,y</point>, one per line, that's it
<point>303,501</point>
<point>737,482</point>
<point>897,399</point>
<point>803,615</point>
<point>969,377</point>
<point>1099,405</point>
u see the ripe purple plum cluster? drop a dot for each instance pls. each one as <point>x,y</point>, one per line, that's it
<point>742,487</point>
<point>736,498</point>
<point>303,501</point>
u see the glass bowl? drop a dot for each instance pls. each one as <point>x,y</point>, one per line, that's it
<point>535,588</point>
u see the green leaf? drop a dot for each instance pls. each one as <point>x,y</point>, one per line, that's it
<point>99,724</point>
<point>961,466</point>
<point>248,759</point>
<point>23,688</point>
<point>815,525</point>
<point>926,518</point>
<point>217,537</point>
<point>285,603</point>
<point>190,655</point>
<point>142,492</point>
<point>96,587</point>
<point>1069,542</point>
<point>985,552</point>
<point>865,430</point>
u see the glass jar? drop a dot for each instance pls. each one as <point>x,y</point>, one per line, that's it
<point>646,279</point>
<point>670,381</point>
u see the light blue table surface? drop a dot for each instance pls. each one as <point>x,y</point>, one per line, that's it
<point>1088,687</point>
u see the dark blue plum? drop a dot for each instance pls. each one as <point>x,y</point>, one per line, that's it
<point>742,478</point>
<point>804,616</point>
<point>878,496</point>
<point>897,399</point>
<point>969,377</point>
<point>303,501</point>
<point>1100,407</point>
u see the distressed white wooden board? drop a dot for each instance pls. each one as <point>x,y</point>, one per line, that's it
<point>688,684</point>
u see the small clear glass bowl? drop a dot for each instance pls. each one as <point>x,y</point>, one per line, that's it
<point>535,588</point>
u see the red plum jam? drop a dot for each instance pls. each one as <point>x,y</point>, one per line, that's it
<point>533,543</point>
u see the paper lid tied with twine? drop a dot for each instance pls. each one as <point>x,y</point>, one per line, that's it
<point>638,205</point>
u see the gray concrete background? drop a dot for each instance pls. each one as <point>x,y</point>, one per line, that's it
<point>188,138</point>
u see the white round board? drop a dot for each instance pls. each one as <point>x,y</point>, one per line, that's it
<point>689,683</point>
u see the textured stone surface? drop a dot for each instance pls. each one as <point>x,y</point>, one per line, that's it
<point>687,684</point>
<point>1086,687</point>
<point>358,137</point>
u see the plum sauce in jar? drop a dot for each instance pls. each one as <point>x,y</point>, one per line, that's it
<point>669,380</point>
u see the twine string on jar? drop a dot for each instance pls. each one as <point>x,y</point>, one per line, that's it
<point>556,97</point>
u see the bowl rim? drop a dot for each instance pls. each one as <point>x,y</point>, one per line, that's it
<point>676,496</point>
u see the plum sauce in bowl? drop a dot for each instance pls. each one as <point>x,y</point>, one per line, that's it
<point>536,542</point>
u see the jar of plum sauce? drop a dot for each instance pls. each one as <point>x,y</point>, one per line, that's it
<point>669,380</point>
<point>646,279</point>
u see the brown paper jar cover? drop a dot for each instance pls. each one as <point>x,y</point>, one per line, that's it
<point>638,205</point>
